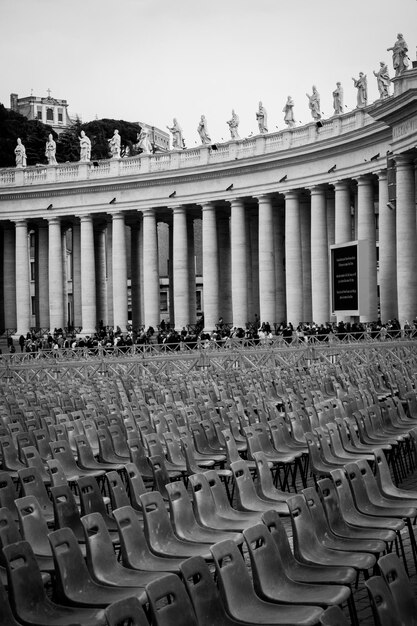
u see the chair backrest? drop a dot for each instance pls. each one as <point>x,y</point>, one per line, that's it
<point>135,484</point>
<point>117,490</point>
<point>181,510</point>
<point>8,493</point>
<point>169,602</point>
<point>101,557</point>
<point>33,525</point>
<point>66,513</point>
<point>26,591</point>
<point>6,616</point>
<point>395,576</point>
<point>56,473</point>
<point>160,474</point>
<point>266,563</point>
<point>334,616</point>
<point>126,612</point>
<point>205,597</point>
<point>9,532</point>
<point>133,546</point>
<point>139,457</point>
<point>382,602</point>
<point>119,439</point>
<point>33,485</point>
<point>156,520</point>
<point>71,572</point>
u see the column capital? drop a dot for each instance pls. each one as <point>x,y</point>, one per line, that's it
<point>292,194</point>
<point>364,180</point>
<point>117,215</point>
<point>236,202</point>
<point>403,160</point>
<point>207,204</point>
<point>149,213</point>
<point>179,209</point>
<point>317,190</point>
<point>21,222</point>
<point>382,174</point>
<point>55,219</point>
<point>263,197</point>
<point>342,184</point>
<point>86,217</point>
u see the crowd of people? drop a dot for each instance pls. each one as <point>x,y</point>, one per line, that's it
<point>168,338</point>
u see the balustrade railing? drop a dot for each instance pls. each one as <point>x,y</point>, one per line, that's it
<point>243,148</point>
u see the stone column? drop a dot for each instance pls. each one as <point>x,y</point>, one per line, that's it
<point>319,257</point>
<point>252,236</point>
<point>23,279</point>
<point>293,258</point>
<point>239,263</point>
<point>135,282</point>
<point>119,271</point>
<point>109,247</point>
<point>330,210</point>
<point>191,270</point>
<point>64,275</point>
<point>101,283</point>
<point>280,290</point>
<point>180,269</point>
<point>266,261</point>
<point>150,270</point>
<point>76,274</point>
<point>9,277</point>
<point>366,232</point>
<point>42,277</point>
<point>406,240</point>
<point>343,220</point>
<point>305,219</point>
<point>210,267</point>
<point>56,292</point>
<point>387,254</point>
<point>88,276</point>
<point>171,302</point>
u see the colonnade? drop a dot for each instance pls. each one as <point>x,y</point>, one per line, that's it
<point>265,254</point>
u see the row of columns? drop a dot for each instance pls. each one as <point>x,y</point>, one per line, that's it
<point>242,265</point>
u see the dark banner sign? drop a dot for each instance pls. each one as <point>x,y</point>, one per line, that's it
<point>345,278</point>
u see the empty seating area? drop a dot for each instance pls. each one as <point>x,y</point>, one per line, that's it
<point>283,495</point>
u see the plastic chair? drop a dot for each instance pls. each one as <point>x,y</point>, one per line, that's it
<point>384,608</point>
<point>202,445</point>
<point>271,581</point>
<point>309,549</point>
<point>139,458</point>
<point>66,512</point>
<point>155,449</point>
<point>91,501</point>
<point>386,484</point>
<point>134,550</point>
<point>118,494</point>
<point>340,526</point>
<point>86,459</point>
<point>205,597</point>
<point>264,485</point>
<point>128,611</point>
<point>400,586</point>
<point>159,532</point>
<point>8,494</point>
<point>304,572</point>
<point>34,529</point>
<point>240,598</point>
<point>101,559</point>
<point>246,496</point>
<point>9,533</point>
<point>330,539</point>
<point>184,522</point>
<point>9,458</point>
<point>107,453</point>
<point>33,485</point>
<point>169,603</point>
<point>212,508</point>
<point>28,598</point>
<point>136,485</point>
<point>73,584</point>
<point>31,458</point>
<point>62,452</point>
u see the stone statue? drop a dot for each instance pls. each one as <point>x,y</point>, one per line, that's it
<point>288,111</point>
<point>202,130</point>
<point>361,85</point>
<point>262,119</point>
<point>85,147</point>
<point>314,104</point>
<point>177,138</point>
<point>400,60</point>
<point>383,80</point>
<point>233,124</point>
<point>50,150</point>
<point>338,99</point>
<point>144,143</point>
<point>20,154</point>
<point>114,145</point>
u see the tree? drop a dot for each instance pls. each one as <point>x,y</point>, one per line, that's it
<point>33,134</point>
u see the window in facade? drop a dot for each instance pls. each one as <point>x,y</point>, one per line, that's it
<point>39,113</point>
<point>33,305</point>
<point>60,116</point>
<point>49,115</point>
<point>32,270</point>
<point>163,301</point>
<point>198,299</point>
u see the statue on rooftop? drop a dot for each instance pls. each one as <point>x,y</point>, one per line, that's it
<point>144,143</point>
<point>50,150</point>
<point>262,119</point>
<point>177,139</point>
<point>85,147</point>
<point>288,111</point>
<point>338,99</point>
<point>202,130</point>
<point>314,104</point>
<point>115,145</point>
<point>20,154</point>
<point>233,124</point>
<point>400,60</point>
<point>383,80</point>
<point>361,85</point>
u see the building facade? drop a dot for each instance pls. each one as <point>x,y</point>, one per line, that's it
<point>48,110</point>
<point>269,209</point>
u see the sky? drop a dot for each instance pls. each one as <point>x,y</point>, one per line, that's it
<point>153,60</point>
